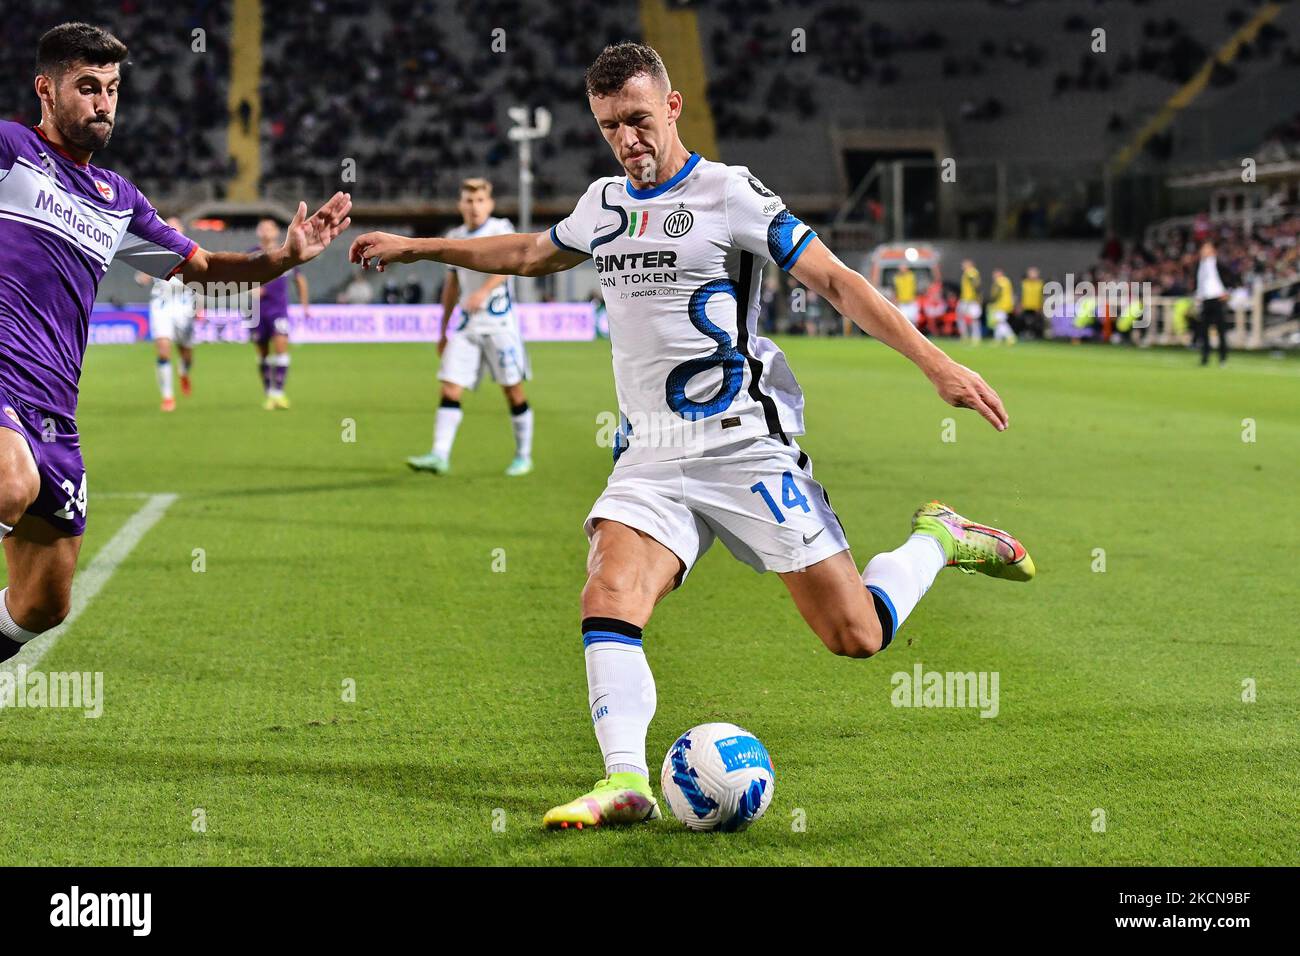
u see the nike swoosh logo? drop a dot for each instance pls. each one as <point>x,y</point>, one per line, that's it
<point>808,540</point>
<point>1017,549</point>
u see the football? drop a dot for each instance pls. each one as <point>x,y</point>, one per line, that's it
<point>718,777</point>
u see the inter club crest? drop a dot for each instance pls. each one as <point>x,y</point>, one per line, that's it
<point>678,223</point>
<point>105,190</point>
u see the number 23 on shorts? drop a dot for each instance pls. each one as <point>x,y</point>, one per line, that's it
<point>791,496</point>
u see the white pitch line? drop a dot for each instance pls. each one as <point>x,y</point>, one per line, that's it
<point>89,582</point>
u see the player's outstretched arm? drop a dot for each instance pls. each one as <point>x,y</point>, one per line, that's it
<point>515,254</point>
<point>304,240</point>
<point>857,299</point>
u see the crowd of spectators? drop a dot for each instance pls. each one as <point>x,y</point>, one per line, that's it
<point>1265,252</point>
<point>172,116</point>
<point>754,76</point>
<point>415,104</point>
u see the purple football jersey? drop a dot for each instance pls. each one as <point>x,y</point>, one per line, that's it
<point>61,224</point>
<point>275,295</point>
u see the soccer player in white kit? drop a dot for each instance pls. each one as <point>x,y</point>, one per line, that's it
<point>173,310</point>
<point>487,337</point>
<point>710,412</point>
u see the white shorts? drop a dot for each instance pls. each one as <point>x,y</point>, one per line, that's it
<point>166,325</point>
<point>970,311</point>
<point>468,353</point>
<point>909,310</point>
<point>758,496</point>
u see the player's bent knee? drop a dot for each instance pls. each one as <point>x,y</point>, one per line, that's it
<point>854,640</point>
<point>39,616</point>
<point>50,614</point>
<point>17,495</point>
<point>615,595</point>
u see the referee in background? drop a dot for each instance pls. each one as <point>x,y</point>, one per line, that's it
<point>1211,294</point>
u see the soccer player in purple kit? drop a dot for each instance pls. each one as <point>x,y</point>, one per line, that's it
<point>271,334</point>
<point>62,221</point>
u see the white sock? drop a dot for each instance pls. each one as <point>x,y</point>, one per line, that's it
<point>8,626</point>
<point>278,360</point>
<point>523,426</point>
<point>444,430</point>
<point>901,577</point>
<point>621,694</point>
<point>165,378</point>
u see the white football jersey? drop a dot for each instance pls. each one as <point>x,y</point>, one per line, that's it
<point>170,300</point>
<point>498,312</point>
<point>681,268</point>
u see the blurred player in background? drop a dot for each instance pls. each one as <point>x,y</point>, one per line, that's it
<point>271,334</point>
<point>488,337</point>
<point>709,412</point>
<point>968,304</point>
<point>1031,303</point>
<point>1001,302</point>
<point>76,219</point>
<point>934,307</point>
<point>905,293</point>
<point>173,310</point>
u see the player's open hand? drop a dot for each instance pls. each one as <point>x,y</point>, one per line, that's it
<point>965,388</point>
<point>307,238</point>
<point>378,249</point>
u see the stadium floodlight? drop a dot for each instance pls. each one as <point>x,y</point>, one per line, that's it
<point>524,133</point>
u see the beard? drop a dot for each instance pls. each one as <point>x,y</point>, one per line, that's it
<point>91,135</point>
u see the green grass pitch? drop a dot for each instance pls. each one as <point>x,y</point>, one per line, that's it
<point>328,562</point>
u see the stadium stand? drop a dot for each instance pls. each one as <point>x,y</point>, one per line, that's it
<point>423,95</point>
<point>172,138</point>
<point>1183,90</point>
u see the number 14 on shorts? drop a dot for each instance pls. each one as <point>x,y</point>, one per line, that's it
<point>791,496</point>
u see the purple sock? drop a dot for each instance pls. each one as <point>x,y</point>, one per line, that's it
<point>265,366</point>
<point>279,372</point>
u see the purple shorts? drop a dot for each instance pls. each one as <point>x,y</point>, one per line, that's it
<point>56,446</point>
<point>268,326</point>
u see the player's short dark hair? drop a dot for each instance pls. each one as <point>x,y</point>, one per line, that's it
<point>618,63</point>
<point>70,43</point>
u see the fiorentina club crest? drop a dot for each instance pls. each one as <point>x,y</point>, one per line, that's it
<point>105,190</point>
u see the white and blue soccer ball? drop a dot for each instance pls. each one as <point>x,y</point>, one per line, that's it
<point>717,777</point>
